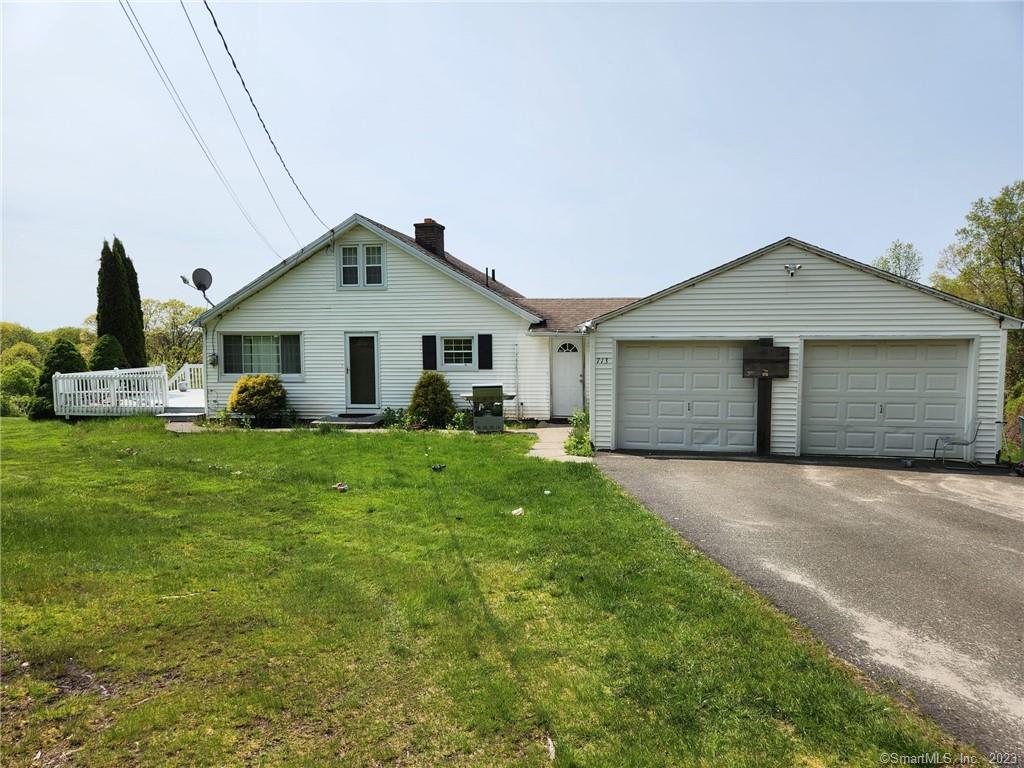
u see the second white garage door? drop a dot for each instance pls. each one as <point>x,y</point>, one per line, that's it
<point>882,398</point>
<point>684,396</point>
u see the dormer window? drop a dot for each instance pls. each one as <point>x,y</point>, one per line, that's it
<point>361,266</point>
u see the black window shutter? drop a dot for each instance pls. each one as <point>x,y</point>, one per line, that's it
<point>483,351</point>
<point>430,353</point>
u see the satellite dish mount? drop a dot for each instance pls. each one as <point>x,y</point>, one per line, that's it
<point>201,281</point>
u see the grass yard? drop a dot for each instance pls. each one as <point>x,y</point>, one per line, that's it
<point>207,600</point>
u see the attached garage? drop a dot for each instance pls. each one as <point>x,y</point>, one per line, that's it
<point>680,396</point>
<point>876,365</point>
<point>883,398</point>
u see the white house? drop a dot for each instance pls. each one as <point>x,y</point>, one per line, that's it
<point>351,320</point>
<point>877,365</point>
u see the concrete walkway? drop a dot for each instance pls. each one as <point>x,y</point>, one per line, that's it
<point>551,443</point>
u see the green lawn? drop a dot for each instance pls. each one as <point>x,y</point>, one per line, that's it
<point>207,600</point>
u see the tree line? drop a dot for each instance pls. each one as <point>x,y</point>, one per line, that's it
<point>126,331</point>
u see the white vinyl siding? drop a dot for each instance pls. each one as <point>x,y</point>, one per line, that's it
<point>825,300</point>
<point>418,299</point>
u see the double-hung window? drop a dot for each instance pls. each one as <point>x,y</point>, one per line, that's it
<point>262,353</point>
<point>458,351</point>
<point>361,265</point>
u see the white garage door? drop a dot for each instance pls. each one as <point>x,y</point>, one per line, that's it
<point>875,398</point>
<point>675,396</point>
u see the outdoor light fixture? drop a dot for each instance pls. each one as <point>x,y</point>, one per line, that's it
<point>792,268</point>
<point>212,359</point>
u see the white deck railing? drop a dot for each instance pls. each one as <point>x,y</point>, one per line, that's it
<point>110,393</point>
<point>191,373</point>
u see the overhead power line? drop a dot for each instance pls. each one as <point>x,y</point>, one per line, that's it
<point>168,83</point>
<point>239,127</point>
<point>262,122</point>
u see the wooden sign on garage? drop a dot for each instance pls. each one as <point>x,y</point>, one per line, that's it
<point>763,362</point>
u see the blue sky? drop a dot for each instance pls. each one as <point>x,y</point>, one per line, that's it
<point>580,150</point>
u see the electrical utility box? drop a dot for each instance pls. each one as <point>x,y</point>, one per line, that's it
<point>488,408</point>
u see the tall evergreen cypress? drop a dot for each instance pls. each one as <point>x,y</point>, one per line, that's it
<point>118,306</point>
<point>136,349</point>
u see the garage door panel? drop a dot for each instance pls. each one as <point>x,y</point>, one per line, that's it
<point>699,399</point>
<point>633,407</point>
<point>862,382</point>
<point>712,381</point>
<point>861,441</point>
<point>741,439</point>
<point>740,409</point>
<point>671,381</point>
<point>860,412</point>
<point>862,353</point>
<point>943,383</point>
<point>942,413</point>
<point>882,398</point>
<point>671,408</point>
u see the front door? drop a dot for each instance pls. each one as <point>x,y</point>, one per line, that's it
<point>361,367</point>
<point>566,378</point>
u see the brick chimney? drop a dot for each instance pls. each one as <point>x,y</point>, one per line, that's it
<point>430,235</point>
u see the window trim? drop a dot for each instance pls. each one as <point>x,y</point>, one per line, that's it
<point>361,247</point>
<point>285,377</point>
<point>454,367</point>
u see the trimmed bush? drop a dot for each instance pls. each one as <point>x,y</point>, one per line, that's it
<point>108,354</point>
<point>261,396</point>
<point>62,357</point>
<point>432,404</point>
<point>22,351</point>
<point>19,378</point>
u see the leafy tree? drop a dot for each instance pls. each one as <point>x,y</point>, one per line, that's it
<point>432,402</point>
<point>19,378</point>
<point>62,357</point>
<point>171,339</point>
<point>21,350</point>
<point>118,313</point>
<point>985,264</point>
<point>12,333</point>
<point>107,355</point>
<point>902,259</point>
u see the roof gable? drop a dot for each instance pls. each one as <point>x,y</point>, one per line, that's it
<point>813,249</point>
<point>454,268</point>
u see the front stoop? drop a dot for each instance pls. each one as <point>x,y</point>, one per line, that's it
<point>349,421</point>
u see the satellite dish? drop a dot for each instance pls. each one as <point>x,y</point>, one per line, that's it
<point>202,279</point>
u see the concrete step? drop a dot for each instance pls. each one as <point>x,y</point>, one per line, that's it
<point>186,414</point>
<point>349,421</point>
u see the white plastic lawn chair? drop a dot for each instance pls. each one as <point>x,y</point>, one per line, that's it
<point>948,441</point>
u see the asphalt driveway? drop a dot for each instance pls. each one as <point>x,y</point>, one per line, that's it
<point>917,578</point>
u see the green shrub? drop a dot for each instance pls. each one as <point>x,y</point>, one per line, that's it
<point>432,404</point>
<point>107,355</point>
<point>1011,432</point>
<point>14,405</point>
<point>19,378</point>
<point>62,357</point>
<point>461,420</point>
<point>578,442</point>
<point>22,350</point>
<point>394,418</point>
<point>262,397</point>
